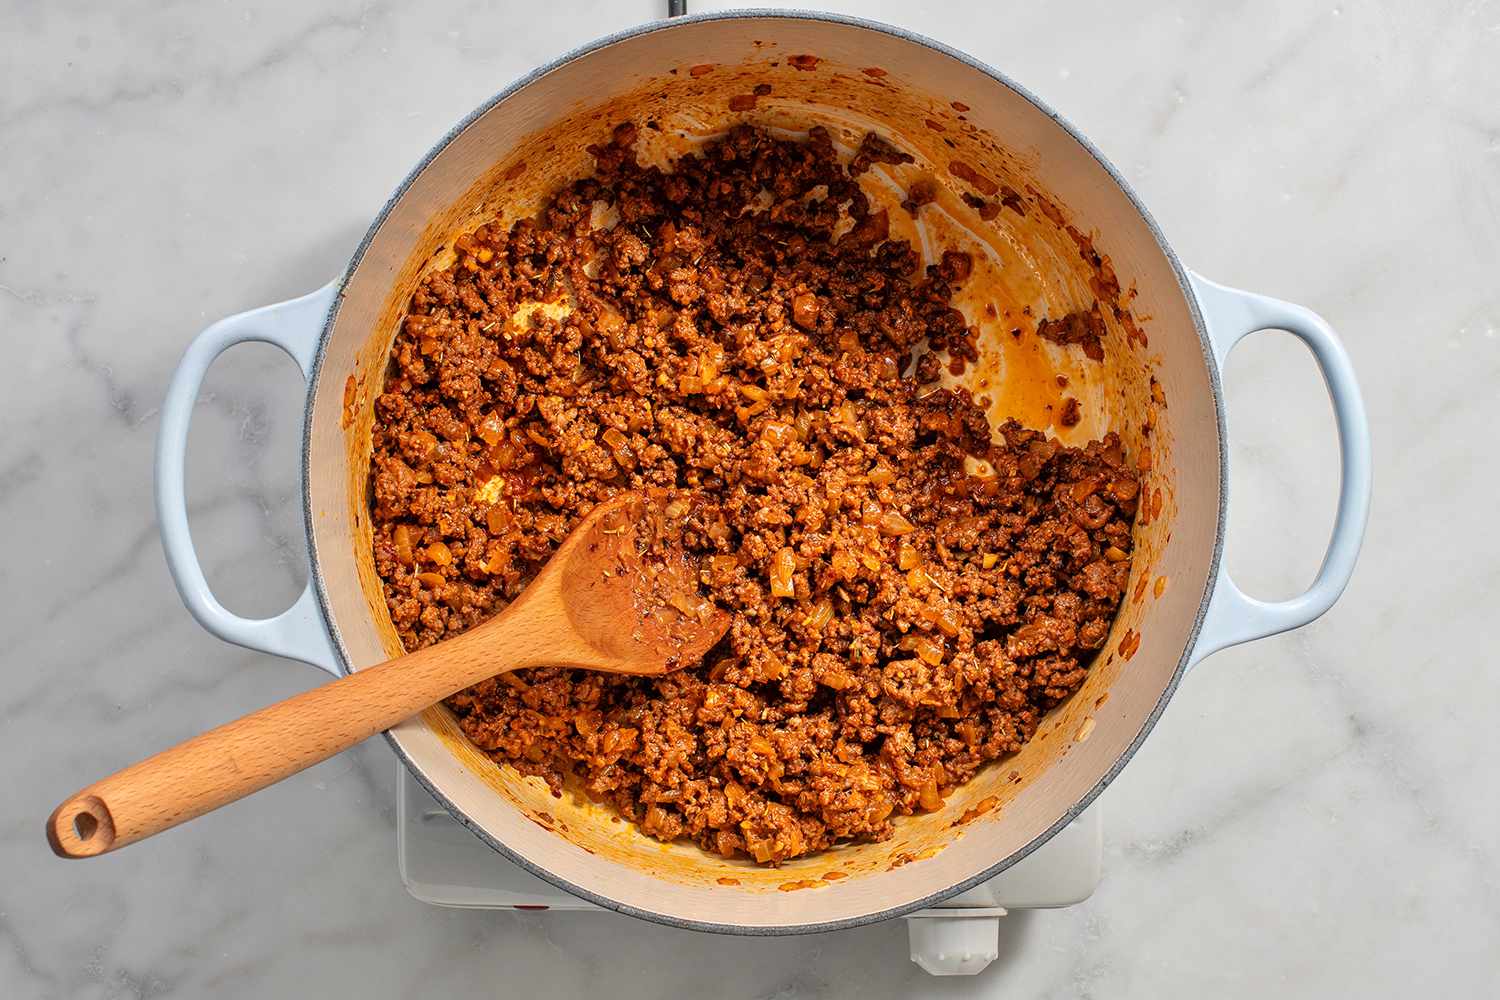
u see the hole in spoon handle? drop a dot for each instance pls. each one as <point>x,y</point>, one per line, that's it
<point>81,828</point>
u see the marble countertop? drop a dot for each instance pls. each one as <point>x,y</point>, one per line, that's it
<point>1317,815</point>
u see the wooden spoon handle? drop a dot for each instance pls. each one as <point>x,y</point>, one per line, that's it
<point>244,756</point>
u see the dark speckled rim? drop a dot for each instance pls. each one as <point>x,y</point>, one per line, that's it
<point>1211,365</point>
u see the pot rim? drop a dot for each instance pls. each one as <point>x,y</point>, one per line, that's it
<point>1215,385</point>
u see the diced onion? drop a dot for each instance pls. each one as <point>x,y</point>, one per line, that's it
<point>821,615</point>
<point>490,429</point>
<point>402,540</point>
<point>928,650</point>
<point>619,447</point>
<point>929,798</point>
<point>502,456</point>
<point>498,518</point>
<point>783,565</point>
<point>944,617</point>
<point>491,491</point>
<point>777,433</point>
<point>892,524</point>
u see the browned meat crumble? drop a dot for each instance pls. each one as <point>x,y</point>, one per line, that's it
<point>910,593</point>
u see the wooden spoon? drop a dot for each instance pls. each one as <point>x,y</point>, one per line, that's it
<point>598,604</point>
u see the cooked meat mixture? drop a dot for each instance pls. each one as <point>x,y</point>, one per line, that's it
<point>910,592</point>
<point>1086,329</point>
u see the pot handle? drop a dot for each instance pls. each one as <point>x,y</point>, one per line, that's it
<point>294,326</point>
<point>1233,616</point>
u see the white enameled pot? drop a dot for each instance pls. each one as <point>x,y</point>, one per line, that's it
<point>1159,385</point>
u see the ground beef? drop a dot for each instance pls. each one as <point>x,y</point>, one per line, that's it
<point>1086,329</point>
<point>910,592</point>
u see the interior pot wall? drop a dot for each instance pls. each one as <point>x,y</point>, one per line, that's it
<point>945,111</point>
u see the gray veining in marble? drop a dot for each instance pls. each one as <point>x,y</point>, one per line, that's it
<point>1317,815</point>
